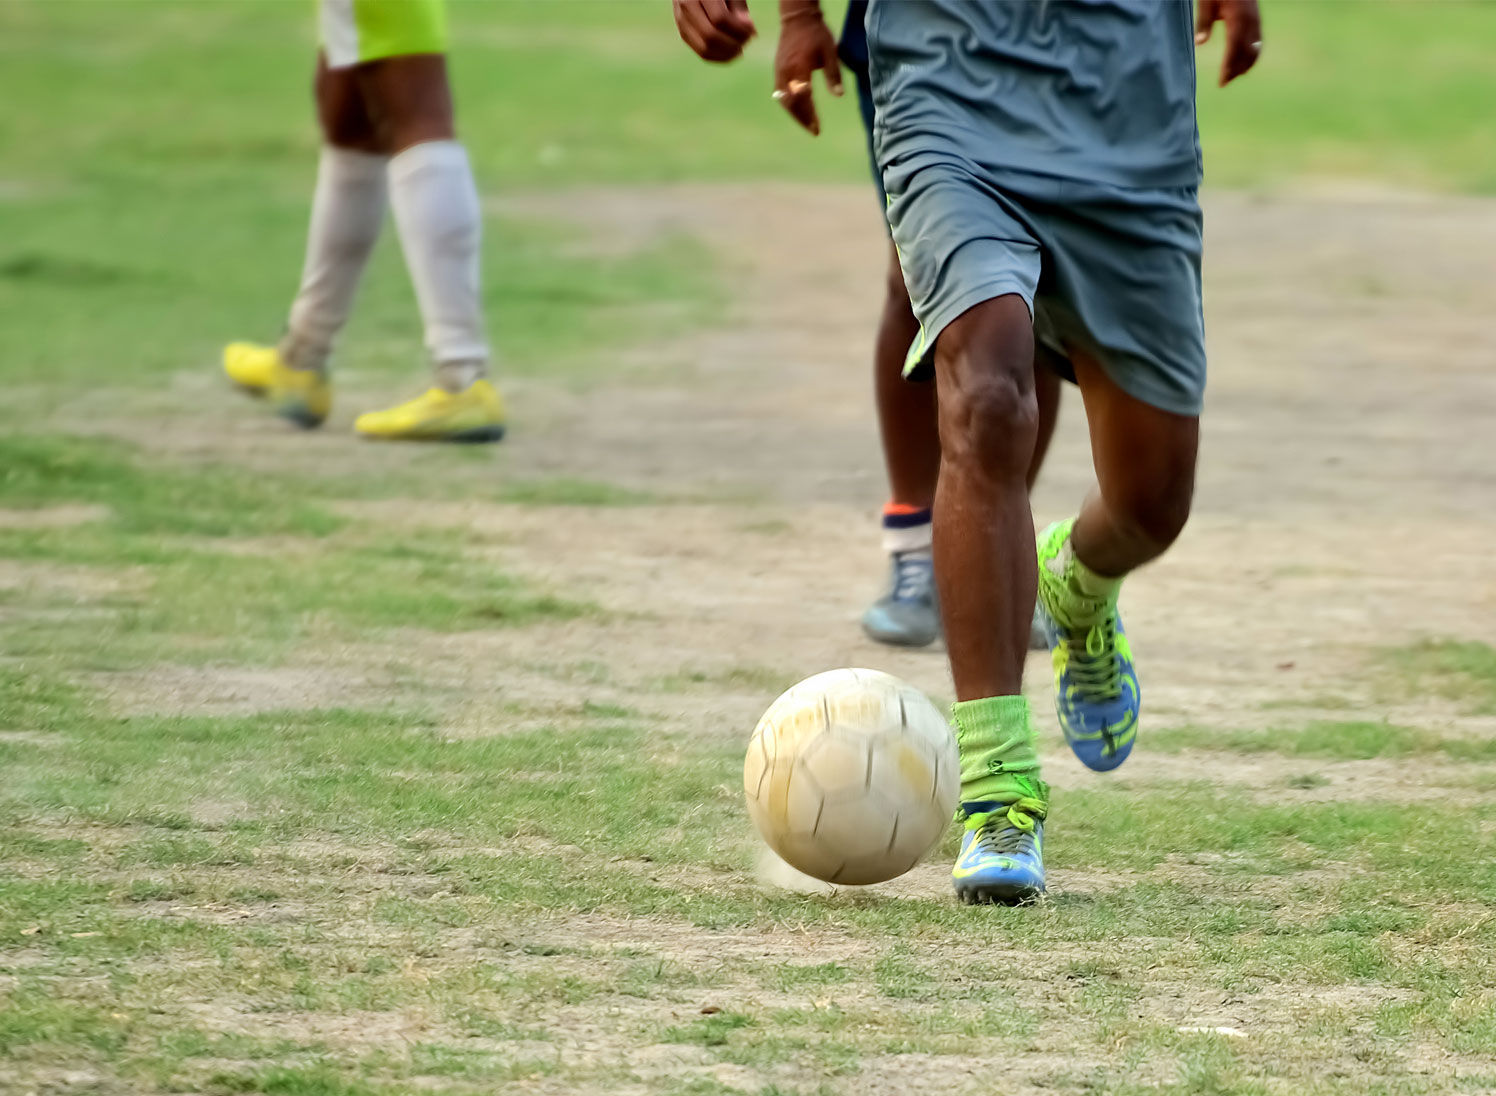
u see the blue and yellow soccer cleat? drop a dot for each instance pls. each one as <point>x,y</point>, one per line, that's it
<point>475,414</point>
<point>1096,693</point>
<point>303,396</point>
<point>1002,853</point>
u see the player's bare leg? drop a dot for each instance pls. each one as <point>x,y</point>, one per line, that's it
<point>989,425</point>
<point>908,614</point>
<point>1145,470</point>
<point>989,422</point>
<point>906,411</point>
<point>1047,386</point>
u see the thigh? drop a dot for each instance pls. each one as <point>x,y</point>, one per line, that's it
<point>1142,453</point>
<point>960,243</point>
<point>1122,286</point>
<point>341,110</point>
<point>410,98</point>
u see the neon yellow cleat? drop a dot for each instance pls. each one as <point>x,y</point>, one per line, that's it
<point>301,395</point>
<point>474,414</point>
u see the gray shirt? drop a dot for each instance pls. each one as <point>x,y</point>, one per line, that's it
<point>1095,90</point>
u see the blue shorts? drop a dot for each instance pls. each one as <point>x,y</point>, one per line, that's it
<point>1108,270</point>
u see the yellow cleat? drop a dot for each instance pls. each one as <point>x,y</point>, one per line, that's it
<point>302,395</point>
<point>474,414</point>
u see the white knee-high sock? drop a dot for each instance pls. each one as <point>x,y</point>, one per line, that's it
<point>347,213</point>
<point>441,226</point>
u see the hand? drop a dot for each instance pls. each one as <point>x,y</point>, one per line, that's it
<point>805,44</point>
<point>716,29</point>
<point>1243,33</point>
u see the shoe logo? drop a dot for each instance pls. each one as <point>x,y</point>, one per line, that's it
<point>1060,560</point>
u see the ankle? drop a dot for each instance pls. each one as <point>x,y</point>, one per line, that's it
<point>907,529</point>
<point>303,354</point>
<point>1076,595</point>
<point>999,751</point>
<point>459,376</point>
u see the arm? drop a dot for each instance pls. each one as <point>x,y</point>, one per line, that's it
<point>1243,33</point>
<point>716,29</point>
<point>805,44</point>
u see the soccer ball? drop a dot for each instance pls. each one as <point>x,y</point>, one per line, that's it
<point>852,776</point>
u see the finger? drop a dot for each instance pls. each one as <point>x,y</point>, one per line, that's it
<point>715,45</point>
<point>1243,41</point>
<point>798,100</point>
<point>730,22</point>
<point>1239,59</point>
<point>738,11</point>
<point>688,32</point>
<point>831,67</point>
<point>1206,13</point>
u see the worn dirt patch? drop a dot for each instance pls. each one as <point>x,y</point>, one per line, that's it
<point>61,582</point>
<point>52,517</point>
<point>238,690</point>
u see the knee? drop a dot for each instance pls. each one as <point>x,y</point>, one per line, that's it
<point>989,412</point>
<point>1154,512</point>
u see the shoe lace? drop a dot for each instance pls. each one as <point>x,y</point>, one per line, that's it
<point>1094,667</point>
<point>1009,830</point>
<point>911,576</point>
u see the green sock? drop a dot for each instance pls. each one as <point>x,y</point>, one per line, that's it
<point>1075,595</point>
<point>999,751</point>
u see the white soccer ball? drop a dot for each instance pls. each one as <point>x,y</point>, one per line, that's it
<point>852,776</point>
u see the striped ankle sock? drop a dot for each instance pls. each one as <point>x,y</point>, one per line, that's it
<point>906,528</point>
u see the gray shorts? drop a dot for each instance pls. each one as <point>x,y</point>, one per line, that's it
<point>1112,271</point>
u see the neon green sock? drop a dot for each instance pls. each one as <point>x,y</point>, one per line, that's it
<point>1075,595</point>
<point>999,750</point>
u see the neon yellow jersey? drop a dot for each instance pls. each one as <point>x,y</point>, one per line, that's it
<point>355,31</point>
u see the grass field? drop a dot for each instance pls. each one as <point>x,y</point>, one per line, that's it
<point>333,770</point>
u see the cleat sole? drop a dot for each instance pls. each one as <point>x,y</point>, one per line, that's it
<point>999,896</point>
<point>900,639</point>
<point>479,435</point>
<point>300,416</point>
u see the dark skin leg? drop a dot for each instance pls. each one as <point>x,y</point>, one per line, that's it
<point>984,533</point>
<point>1144,490</point>
<point>386,106</point>
<point>906,412</point>
<point>907,417</point>
<point>1047,391</point>
<point>341,111</point>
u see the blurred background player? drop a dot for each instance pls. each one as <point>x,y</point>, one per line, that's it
<point>385,109</point>
<point>907,613</point>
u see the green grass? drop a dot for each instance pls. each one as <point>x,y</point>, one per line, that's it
<point>1319,103</point>
<point>1462,671</point>
<point>420,871</point>
<point>1342,741</point>
<point>155,498</point>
